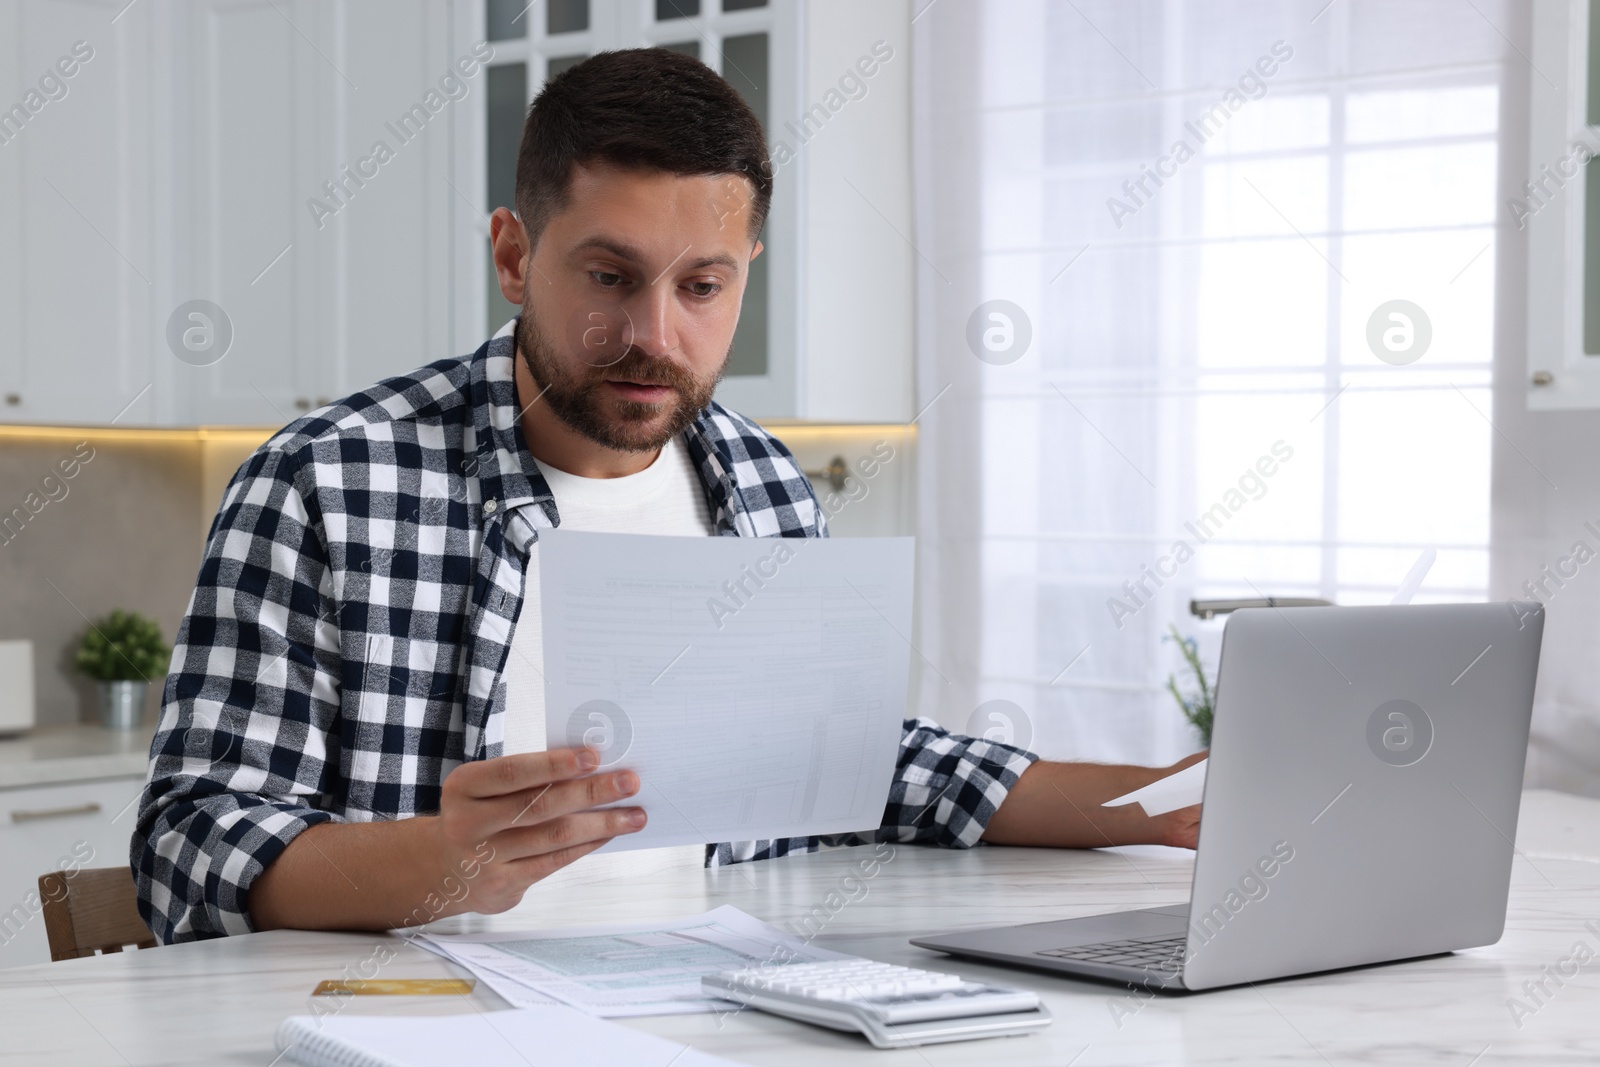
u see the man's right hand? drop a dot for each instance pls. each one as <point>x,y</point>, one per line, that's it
<point>505,823</point>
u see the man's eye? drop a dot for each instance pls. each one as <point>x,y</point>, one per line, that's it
<point>704,288</point>
<point>606,278</point>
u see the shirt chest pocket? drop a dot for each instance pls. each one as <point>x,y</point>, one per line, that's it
<point>404,682</point>
<point>376,669</point>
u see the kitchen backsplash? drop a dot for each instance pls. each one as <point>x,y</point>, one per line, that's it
<point>92,520</point>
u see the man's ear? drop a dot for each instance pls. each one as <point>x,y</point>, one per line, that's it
<point>509,240</point>
<point>756,251</point>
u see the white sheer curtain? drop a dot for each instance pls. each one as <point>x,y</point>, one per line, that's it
<point>1202,212</point>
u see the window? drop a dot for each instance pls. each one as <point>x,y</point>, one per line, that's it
<point>506,105</point>
<point>750,42</point>
<point>1255,254</point>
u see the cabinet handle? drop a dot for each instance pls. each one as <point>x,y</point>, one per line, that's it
<point>835,474</point>
<point>91,808</point>
<point>302,403</point>
<point>13,399</point>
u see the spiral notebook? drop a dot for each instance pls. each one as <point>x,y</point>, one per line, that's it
<point>549,1037</point>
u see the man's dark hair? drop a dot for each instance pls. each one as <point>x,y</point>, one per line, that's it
<point>644,109</point>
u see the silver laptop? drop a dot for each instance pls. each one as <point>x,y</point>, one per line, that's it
<point>1360,803</point>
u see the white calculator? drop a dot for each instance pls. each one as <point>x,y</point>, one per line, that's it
<point>895,1007</point>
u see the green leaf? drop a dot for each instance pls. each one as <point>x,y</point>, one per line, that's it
<point>123,647</point>
<point>1199,709</point>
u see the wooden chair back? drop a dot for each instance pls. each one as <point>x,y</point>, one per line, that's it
<point>92,909</point>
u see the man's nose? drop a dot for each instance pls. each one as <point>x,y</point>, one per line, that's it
<point>655,319</point>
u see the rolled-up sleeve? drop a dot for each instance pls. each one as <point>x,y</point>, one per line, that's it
<point>946,788</point>
<point>246,753</point>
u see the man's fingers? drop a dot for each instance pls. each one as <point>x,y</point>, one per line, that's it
<point>532,806</point>
<point>527,770</point>
<point>566,832</point>
<point>537,868</point>
<point>1182,827</point>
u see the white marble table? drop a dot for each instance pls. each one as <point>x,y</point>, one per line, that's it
<point>218,1002</point>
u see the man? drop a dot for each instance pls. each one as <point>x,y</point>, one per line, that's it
<point>352,730</point>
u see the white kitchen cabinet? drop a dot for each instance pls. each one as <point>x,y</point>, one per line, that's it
<point>211,151</point>
<point>249,113</point>
<point>329,254</point>
<point>860,260</point>
<point>55,827</point>
<point>1556,206</point>
<point>78,277</point>
<point>756,46</point>
<point>826,332</point>
<point>226,151</point>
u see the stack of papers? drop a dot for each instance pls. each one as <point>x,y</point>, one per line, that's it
<point>619,971</point>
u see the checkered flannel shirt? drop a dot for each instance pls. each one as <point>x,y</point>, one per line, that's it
<point>345,645</point>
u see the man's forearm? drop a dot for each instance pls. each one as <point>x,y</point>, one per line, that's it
<point>360,876</point>
<point>1058,804</point>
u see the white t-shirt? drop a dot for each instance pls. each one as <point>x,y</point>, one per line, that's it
<point>666,497</point>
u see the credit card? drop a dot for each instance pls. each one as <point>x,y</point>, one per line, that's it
<point>405,987</point>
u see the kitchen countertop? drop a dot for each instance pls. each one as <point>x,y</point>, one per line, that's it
<point>51,755</point>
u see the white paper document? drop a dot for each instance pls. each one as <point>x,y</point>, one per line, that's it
<point>1180,790</point>
<point>635,969</point>
<point>757,685</point>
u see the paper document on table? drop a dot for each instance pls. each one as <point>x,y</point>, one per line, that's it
<point>636,969</point>
<point>757,685</point>
<point>1181,790</point>
<point>511,991</point>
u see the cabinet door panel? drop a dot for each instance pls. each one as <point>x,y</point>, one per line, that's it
<point>392,273</point>
<point>250,126</point>
<point>58,827</point>
<point>80,258</point>
<point>328,253</point>
<point>11,258</point>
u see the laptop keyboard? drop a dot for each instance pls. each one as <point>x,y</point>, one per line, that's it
<point>1144,954</point>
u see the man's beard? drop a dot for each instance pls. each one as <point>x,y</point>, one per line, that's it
<point>578,400</point>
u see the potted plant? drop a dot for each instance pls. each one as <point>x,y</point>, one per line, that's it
<point>123,652</point>
<point>1199,708</point>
